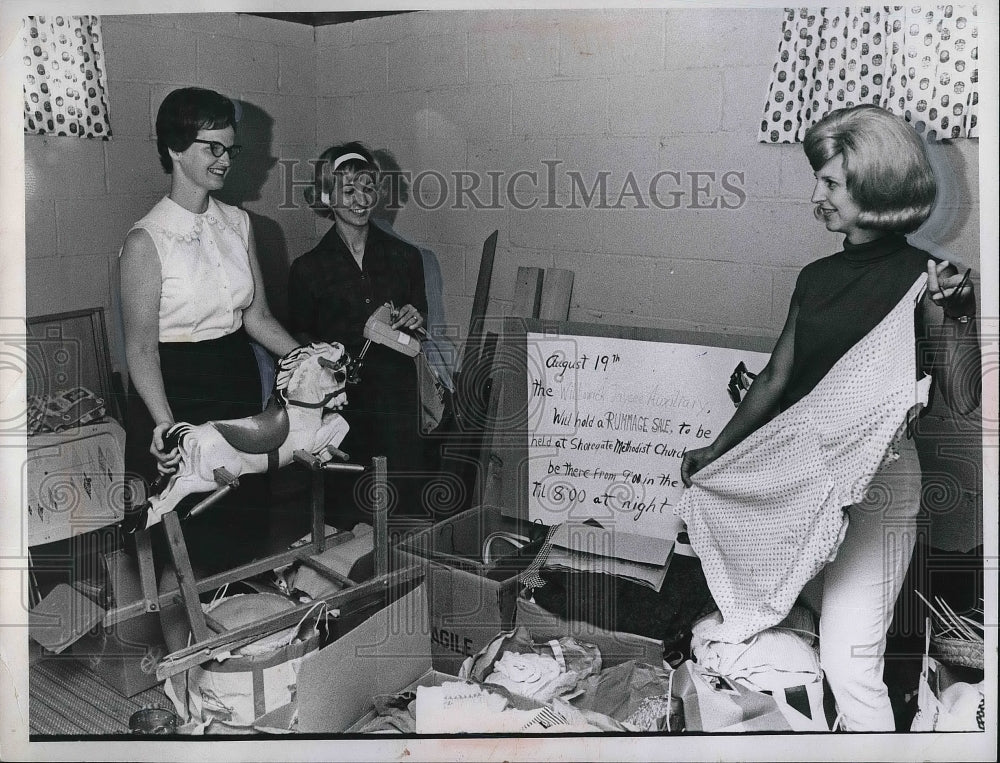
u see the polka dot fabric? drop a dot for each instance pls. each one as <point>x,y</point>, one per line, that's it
<point>920,63</point>
<point>767,515</point>
<point>65,86</point>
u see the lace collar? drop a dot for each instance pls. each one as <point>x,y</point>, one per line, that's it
<point>178,222</point>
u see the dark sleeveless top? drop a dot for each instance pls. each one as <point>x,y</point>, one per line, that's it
<point>844,296</point>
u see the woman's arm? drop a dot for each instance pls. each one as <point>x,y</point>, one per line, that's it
<point>757,408</point>
<point>139,286</point>
<point>260,324</point>
<point>951,347</point>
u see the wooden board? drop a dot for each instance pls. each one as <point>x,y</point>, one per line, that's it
<point>594,419</point>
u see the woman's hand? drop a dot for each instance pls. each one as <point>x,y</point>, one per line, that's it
<point>694,461</point>
<point>166,461</point>
<point>950,290</point>
<point>408,318</point>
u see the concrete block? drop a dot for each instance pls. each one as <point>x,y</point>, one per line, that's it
<point>281,118</point>
<point>470,112</point>
<point>796,176</point>
<point>959,245</point>
<point>130,110</point>
<point>956,167</point>
<point>667,103</point>
<point>512,47</point>
<point>60,167</point>
<point>438,60</point>
<point>722,37</point>
<point>352,69</point>
<point>234,66</point>
<point>776,233</point>
<point>603,283</point>
<point>711,292</point>
<point>61,284</point>
<point>211,23</point>
<point>168,20</point>
<point>556,229</point>
<point>744,92</point>
<point>451,261</point>
<point>388,121</point>
<point>297,70</point>
<point>144,53</point>
<point>284,33</point>
<point>98,225</point>
<point>381,29</point>
<point>741,168</point>
<point>509,155</point>
<point>335,120</point>
<point>40,229</point>
<point>134,164</point>
<point>505,268</point>
<point>333,36</point>
<point>561,107</point>
<point>584,159</point>
<point>651,232</point>
<point>596,44</point>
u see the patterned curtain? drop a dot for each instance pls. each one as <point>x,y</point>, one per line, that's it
<point>65,86</point>
<point>918,63</point>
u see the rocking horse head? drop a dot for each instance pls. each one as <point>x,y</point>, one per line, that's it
<point>314,376</point>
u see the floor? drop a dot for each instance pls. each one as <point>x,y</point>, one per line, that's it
<point>67,698</point>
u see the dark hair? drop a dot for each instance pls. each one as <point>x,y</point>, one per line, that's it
<point>888,174</point>
<point>323,173</point>
<point>186,111</point>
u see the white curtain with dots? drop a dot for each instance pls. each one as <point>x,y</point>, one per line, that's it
<point>65,84</point>
<point>919,62</point>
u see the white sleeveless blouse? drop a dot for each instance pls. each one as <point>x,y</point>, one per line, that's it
<point>204,262</point>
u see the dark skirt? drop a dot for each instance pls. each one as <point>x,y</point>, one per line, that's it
<point>383,410</point>
<point>205,381</point>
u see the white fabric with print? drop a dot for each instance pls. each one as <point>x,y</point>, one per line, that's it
<point>767,515</point>
<point>206,282</point>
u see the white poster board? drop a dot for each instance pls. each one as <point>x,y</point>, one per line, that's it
<point>609,420</point>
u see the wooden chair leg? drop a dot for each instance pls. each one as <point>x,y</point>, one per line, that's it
<point>185,576</point>
<point>147,571</point>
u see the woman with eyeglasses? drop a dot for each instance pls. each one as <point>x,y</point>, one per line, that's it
<point>191,290</point>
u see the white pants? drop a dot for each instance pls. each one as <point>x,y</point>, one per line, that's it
<point>859,590</point>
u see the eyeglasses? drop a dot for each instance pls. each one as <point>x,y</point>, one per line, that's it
<point>218,149</point>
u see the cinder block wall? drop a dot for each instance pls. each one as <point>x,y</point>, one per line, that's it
<point>645,91</point>
<point>545,92</point>
<point>84,195</point>
<point>640,91</point>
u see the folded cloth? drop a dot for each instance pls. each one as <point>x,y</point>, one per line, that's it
<point>768,514</point>
<point>774,659</point>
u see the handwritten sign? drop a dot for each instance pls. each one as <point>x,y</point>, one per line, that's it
<point>609,420</point>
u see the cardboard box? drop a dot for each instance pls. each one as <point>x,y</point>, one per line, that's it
<point>616,647</point>
<point>124,654</point>
<point>470,603</point>
<point>386,653</point>
<point>74,482</point>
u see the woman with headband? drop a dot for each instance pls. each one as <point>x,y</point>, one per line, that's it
<point>332,290</point>
<point>873,184</point>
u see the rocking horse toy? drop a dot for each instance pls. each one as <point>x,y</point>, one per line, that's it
<point>301,415</point>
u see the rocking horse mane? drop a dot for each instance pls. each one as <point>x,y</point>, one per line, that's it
<point>289,364</point>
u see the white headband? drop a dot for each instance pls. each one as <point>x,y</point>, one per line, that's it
<point>346,157</point>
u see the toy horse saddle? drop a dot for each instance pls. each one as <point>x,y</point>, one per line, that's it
<point>262,433</point>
